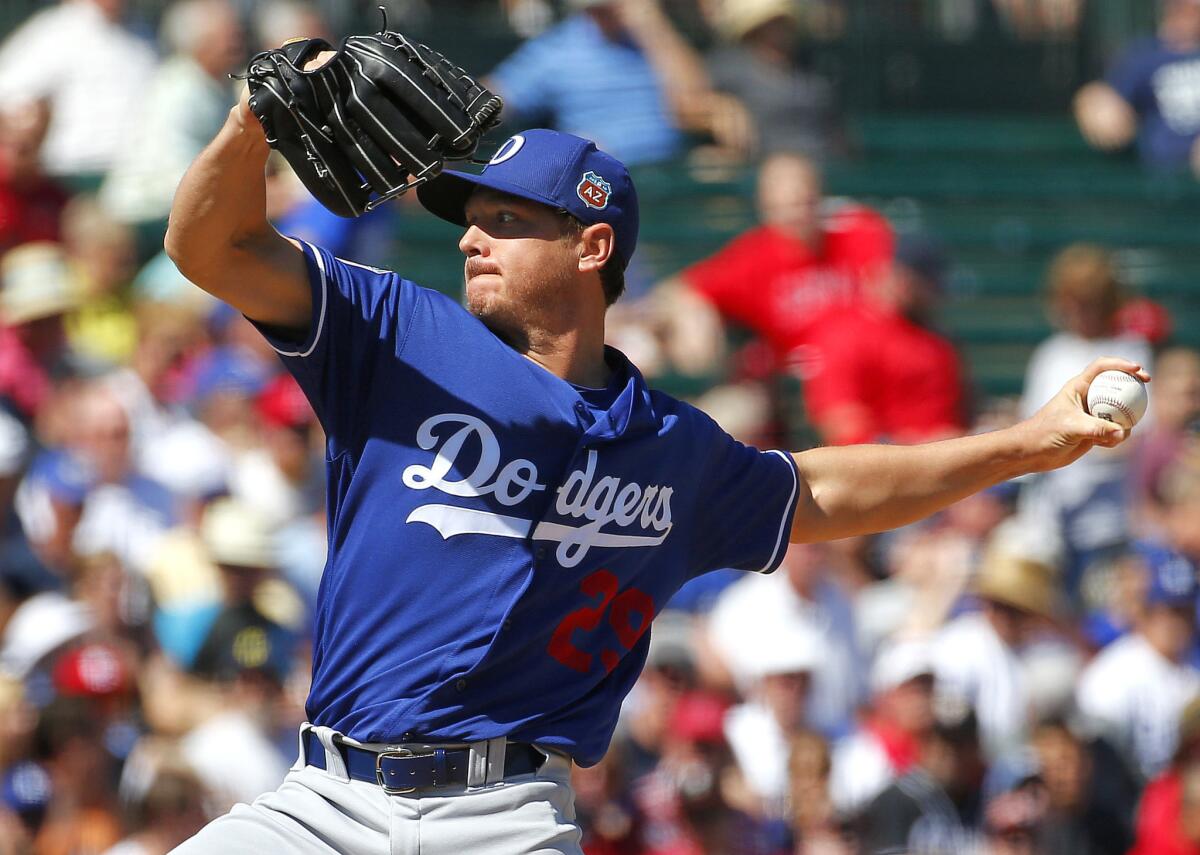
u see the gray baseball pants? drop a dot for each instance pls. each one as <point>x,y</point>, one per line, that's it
<point>318,812</point>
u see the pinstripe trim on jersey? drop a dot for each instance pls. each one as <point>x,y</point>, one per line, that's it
<point>316,336</point>
<point>788,510</point>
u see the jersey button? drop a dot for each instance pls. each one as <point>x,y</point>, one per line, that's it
<point>580,407</point>
<point>460,684</point>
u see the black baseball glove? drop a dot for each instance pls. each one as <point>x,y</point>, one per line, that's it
<point>379,118</point>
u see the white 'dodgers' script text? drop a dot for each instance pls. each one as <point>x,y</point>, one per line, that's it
<point>601,501</point>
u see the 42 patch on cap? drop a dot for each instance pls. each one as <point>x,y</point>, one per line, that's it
<point>594,191</point>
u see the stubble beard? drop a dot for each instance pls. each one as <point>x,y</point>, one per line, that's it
<point>517,313</point>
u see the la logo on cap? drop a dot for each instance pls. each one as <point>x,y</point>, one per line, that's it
<point>594,191</point>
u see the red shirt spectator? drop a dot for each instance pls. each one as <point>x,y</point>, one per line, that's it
<point>1159,829</point>
<point>779,278</point>
<point>30,203</point>
<point>879,373</point>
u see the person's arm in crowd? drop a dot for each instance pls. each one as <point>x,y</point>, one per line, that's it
<point>691,327</point>
<point>1106,120</point>
<point>219,236</point>
<point>870,488</point>
<point>688,89</point>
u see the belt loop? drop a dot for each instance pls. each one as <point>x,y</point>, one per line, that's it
<point>301,757</point>
<point>477,764</point>
<point>335,761</point>
<point>496,749</point>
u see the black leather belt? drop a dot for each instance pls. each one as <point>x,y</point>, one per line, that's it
<point>409,768</point>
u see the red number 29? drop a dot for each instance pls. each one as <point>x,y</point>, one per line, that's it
<point>631,613</point>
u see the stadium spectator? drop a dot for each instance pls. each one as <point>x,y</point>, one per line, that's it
<point>886,745</point>
<point>182,106</point>
<point>278,475</point>
<point>977,654</point>
<point>101,252</point>
<point>35,294</point>
<point>183,454</point>
<point>162,799</point>
<point>1090,793</point>
<point>879,371</point>
<point>793,109</point>
<point>605,807</point>
<point>799,597</point>
<point>85,497</point>
<point>244,661</point>
<point>816,828</point>
<point>82,816</point>
<point>1135,689</point>
<point>1172,432</point>
<point>683,799</point>
<point>935,807</point>
<point>779,695</point>
<point>30,202</point>
<point>807,256</point>
<point>1080,513</point>
<point>93,90</point>
<point>623,52</point>
<point>1172,796</point>
<point>1150,94</point>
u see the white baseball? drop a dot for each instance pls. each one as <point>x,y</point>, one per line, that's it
<point>1117,397</point>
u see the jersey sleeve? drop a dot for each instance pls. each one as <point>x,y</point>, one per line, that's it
<point>356,312</point>
<point>745,506</point>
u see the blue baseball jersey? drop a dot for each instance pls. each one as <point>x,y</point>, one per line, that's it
<point>500,539</point>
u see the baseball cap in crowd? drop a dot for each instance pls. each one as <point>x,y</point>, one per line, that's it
<point>36,283</point>
<point>225,370</point>
<point>94,670</point>
<point>1171,577</point>
<point>699,716</point>
<point>791,648</point>
<point>898,662</point>
<point>560,170</point>
<point>282,404</point>
<point>26,790</point>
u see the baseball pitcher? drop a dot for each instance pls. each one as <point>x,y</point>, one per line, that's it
<point>509,504</point>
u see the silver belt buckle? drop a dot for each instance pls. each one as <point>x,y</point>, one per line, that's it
<point>392,752</point>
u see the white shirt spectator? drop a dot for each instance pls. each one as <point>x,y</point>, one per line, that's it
<point>234,759</point>
<point>758,604</point>
<point>860,770</point>
<point>169,445</point>
<point>761,751</point>
<point>183,109</point>
<point>1076,491</point>
<point>93,87</point>
<point>972,664</point>
<point>1134,696</point>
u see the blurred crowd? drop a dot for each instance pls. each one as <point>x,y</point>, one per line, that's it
<point>1016,675</point>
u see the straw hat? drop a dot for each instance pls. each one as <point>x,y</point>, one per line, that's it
<point>237,535</point>
<point>36,283</point>
<point>1017,581</point>
<point>739,17</point>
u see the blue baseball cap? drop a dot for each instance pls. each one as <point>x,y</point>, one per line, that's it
<point>561,170</point>
<point>1171,577</point>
